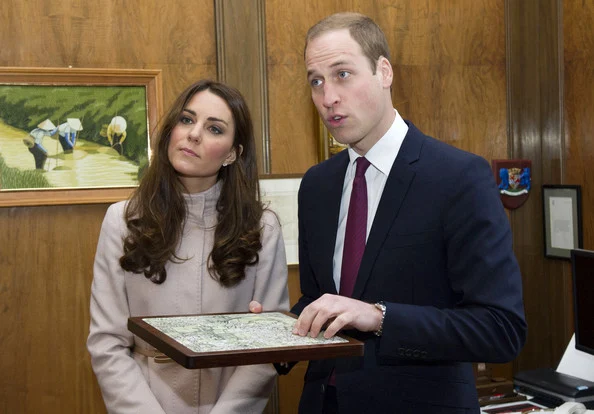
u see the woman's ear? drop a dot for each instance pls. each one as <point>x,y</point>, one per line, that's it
<point>233,156</point>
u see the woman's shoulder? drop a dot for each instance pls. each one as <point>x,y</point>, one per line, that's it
<point>117,209</point>
<point>270,218</point>
<point>114,215</point>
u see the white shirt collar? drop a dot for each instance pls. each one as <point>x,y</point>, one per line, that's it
<point>383,154</point>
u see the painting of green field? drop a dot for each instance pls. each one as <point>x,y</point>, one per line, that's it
<point>72,136</point>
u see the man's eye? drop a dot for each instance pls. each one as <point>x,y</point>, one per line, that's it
<point>316,82</point>
<point>343,74</point>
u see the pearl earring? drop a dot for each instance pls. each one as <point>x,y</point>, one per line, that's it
<point>224,164</point>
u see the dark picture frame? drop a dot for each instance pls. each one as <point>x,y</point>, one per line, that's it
<point>92,110</point>
<point>562,220</point>
<point>173,341</point>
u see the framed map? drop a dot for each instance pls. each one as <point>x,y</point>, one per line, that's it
<point>219,340</point>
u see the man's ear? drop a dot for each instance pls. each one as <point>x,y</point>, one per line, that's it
<point>384,67</point>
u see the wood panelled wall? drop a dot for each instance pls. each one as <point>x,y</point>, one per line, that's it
<point>534,104</point>
<point>450,67</point>
<point>449,72</point>
<point>46,253</point>
<point>578,79</point>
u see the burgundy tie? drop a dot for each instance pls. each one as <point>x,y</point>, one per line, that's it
<point>354,236</point>
<point>356,230</point>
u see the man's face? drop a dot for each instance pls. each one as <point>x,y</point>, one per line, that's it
<point>354,103</point>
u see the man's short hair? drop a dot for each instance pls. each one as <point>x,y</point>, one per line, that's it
<point>362,29</point>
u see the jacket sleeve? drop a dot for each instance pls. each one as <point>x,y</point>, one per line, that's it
<point>122,383</point>
<point>310,290</point>
<point>249,388</point>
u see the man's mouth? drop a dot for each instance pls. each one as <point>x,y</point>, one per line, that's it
<point>335,120</point>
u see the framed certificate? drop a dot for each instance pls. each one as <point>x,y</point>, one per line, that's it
<point>562,218</point>
<point>219,340</point>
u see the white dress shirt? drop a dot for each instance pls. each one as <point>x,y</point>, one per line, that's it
<point>381,156</point>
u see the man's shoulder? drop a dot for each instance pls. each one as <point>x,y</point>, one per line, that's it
<point>438,147</point>
<point>335,163</point>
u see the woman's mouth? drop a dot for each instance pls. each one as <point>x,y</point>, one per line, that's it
<point>189,152</point>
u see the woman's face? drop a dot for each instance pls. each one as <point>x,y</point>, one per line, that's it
<point>202,141</point>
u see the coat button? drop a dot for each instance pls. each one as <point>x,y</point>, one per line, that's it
<point>323,388</point>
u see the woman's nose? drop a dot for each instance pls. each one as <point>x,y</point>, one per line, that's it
<point>194,134</point>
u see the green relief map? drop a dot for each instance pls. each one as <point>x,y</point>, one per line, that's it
<point>232,332</point>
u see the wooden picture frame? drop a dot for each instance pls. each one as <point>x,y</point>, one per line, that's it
<point>232,339</point>
<point>562,220</point>
<point>279,192</point>
<point>92,110</point>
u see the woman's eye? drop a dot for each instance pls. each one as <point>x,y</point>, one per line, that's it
<point>186,120</point>
<point>216,130</point>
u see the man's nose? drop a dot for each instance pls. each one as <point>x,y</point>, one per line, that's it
<point>331,96</point>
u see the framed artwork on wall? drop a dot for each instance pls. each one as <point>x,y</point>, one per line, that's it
<point>75,136</point>
<point>562,218</point>
<point>279,192</point>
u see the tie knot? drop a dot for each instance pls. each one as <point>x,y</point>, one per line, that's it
<point>362,165</point>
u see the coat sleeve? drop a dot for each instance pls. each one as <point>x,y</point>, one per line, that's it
<point>122,383</point>
<point>249,388</point>
<point>310,290</point>
<point>486,322</point>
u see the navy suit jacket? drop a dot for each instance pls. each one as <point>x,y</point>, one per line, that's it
<point>439,254</point>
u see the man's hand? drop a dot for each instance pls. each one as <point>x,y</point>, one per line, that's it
<point>255,307</point>
<point>334,312</point>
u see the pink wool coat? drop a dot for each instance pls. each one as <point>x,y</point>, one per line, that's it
<point>133,383</point>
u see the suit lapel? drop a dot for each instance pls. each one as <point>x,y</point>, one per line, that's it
<point>397,185</point>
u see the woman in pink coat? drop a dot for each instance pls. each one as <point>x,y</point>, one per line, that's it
<point>194,238</point>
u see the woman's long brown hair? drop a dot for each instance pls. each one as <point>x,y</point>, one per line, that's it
<point>156,212</point>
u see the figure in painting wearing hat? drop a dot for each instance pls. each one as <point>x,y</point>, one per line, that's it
<point>116,133</point>
<point>34,142</point>
<point>68,132</point>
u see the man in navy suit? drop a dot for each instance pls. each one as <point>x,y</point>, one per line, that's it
<point>438,286</point>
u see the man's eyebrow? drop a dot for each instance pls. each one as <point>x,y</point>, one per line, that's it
<point>333,65</point>
<point>210,118</point>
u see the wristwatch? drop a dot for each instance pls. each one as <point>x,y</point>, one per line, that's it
<point>381,306</point>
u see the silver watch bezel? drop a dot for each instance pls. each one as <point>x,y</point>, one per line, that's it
<point>381,306</point>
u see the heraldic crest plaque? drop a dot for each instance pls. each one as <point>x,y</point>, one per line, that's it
<point>513,180</point>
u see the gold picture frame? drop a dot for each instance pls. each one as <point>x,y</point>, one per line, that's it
<point>328,146</point>
<point>42,109</point>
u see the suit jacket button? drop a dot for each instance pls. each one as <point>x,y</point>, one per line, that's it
<point>323,388</point>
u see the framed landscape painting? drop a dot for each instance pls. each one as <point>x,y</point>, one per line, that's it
<point>75,136</point>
